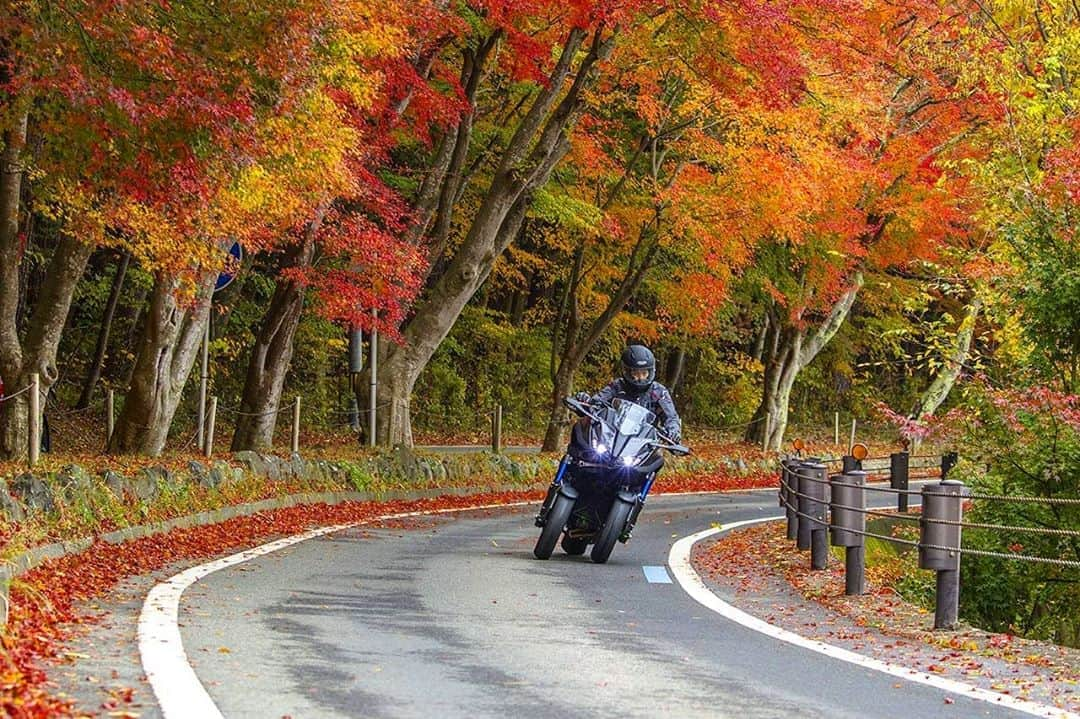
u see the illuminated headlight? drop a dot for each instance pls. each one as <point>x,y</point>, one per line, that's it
<point>629,461</point>
<point>600,447</point>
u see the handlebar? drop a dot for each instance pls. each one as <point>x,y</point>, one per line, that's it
<point>666,442</point>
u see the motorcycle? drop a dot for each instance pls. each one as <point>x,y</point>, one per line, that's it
<point>601,484</point>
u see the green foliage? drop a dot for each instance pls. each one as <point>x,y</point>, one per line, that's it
<point>1023,447</point>
<point>484,362</point>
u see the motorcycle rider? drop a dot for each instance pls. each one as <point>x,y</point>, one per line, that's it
<point>638,384</point>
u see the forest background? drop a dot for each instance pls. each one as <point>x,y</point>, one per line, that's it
<point>803,206</point>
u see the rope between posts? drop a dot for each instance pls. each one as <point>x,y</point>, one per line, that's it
<point>959,550</point>
<point>1016,557</point>
<point>1061,501</point>
<point>892,490</point>
<point>13,395</point>
<point>876,512</point>
<point>726,428</point>
<point>907,542</point>
<point>239,413</point>
<point>1052,531</point>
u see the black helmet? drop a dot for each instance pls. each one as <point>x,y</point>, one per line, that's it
<point>638,367</point>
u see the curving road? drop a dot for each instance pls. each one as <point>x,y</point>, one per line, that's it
<point>453,617</point>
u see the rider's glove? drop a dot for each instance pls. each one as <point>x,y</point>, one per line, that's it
<point>583,397</point>
<point>675,436</point>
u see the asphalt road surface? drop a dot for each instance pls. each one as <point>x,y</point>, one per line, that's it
<point>453,617</point>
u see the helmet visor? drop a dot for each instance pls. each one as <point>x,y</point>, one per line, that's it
<point>638,374</point>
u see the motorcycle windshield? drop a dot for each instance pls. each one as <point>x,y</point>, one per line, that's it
<point>630,418</point>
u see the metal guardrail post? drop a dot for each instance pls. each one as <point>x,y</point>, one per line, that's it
<point>813,504</point>
<point>850,464</point>
<point>899,477</point>
<point>939,546</point>
<point>788,498</point>
<point>798,489</point>
<point>847,510</point>
<point>948,461</point>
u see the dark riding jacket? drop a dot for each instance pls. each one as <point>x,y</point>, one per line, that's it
<point>656,399</point>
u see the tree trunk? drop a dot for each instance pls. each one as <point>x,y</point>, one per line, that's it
<point>794,353</point>
<point>272,353</point>
<point>939,389</point>
<point>94,373</point>
<point>538,144</point>
<point>170,342</point>
<point>563,386</point>
<point>575,348</point>
<point>676,366</point>
<point>37,352</point>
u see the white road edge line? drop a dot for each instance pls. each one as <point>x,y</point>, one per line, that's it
<point>177,688</point>
<point>692,584</point>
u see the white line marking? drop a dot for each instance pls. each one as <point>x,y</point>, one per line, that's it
<point>656,575</point>
<point>176,686</point>
<point>679,561</point>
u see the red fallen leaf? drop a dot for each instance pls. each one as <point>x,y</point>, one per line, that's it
<point>949,700</point>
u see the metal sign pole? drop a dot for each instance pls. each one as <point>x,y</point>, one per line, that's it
<point>374,375</point>
<point>204,376</point>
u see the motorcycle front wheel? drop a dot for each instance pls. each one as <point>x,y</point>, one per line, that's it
<point>553,527</point>
<point>613,527</point>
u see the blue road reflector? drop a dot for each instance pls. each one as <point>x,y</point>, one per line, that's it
<point>657,575</point>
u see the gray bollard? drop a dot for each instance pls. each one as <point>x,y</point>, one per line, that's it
<point>899,476</point>
<point>813,505</point>
<point>850,464</point>
<point>939,546</point>
<point>847,510</point>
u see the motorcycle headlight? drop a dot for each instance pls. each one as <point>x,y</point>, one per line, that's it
<point>600,448</point>
<point>631,461</point>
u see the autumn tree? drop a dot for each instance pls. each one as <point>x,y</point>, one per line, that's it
<point>873,189</point>
<point>353,248</point>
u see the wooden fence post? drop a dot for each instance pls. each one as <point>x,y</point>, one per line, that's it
<point>211,421</point>
<point>34,424</point>
<point>296,425</point>
<point>110,406</point>
<point>496,429</point>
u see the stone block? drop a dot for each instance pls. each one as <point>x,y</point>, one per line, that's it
<point>34,493</point>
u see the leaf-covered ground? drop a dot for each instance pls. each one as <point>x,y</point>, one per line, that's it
<point>759,570</point>
<point>53,603</point>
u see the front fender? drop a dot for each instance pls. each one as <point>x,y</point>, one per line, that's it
<point>567,490</point>
<point>628,496</point>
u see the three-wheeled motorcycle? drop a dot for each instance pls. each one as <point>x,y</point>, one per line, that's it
<point>603,480</point>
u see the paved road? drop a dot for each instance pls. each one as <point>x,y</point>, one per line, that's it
<point>457,619</point>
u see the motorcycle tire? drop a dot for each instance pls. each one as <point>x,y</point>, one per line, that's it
<point>553,527</point>
<point>574,546</point>
<point>613,527</point>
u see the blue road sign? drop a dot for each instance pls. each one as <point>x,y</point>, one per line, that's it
<point>236,254</point>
